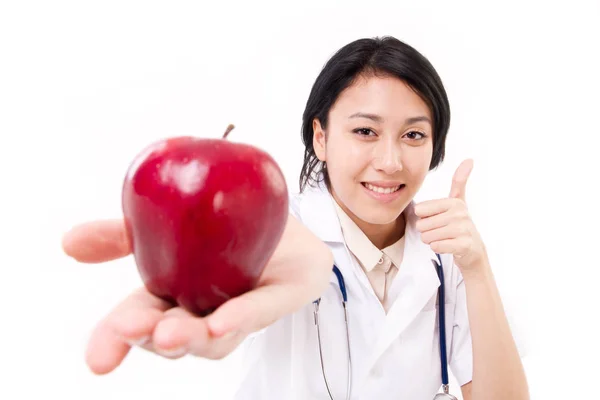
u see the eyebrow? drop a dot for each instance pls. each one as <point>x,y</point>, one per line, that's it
<point>379,118</point>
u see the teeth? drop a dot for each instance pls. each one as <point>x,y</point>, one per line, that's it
<point>382,190</point>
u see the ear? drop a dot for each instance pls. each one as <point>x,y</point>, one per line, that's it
<point>319,140</point>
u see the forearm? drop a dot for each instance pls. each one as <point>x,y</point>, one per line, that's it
<point>497,369</point>
<point>301,257</point>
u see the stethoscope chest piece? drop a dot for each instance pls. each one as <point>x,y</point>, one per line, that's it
<point>444,396</point>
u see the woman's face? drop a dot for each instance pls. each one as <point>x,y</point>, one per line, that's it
<point>378,148</point>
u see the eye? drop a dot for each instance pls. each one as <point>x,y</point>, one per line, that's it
<point>364,132</point>
<point>416,135</point>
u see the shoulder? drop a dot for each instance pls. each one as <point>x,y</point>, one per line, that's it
<point>303,203</point>
<point>295,200</point>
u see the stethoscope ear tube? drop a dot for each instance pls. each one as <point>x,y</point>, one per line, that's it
<point>442,322</point>
<point>341,282</point>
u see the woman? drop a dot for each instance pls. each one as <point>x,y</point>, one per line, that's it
<point>375,124</point>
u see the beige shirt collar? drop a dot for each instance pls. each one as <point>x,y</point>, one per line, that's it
<point>362,248</point>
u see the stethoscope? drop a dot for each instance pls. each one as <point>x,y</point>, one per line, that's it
<point>442,328</point>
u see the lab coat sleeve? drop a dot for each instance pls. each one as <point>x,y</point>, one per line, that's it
<point>461,357</point>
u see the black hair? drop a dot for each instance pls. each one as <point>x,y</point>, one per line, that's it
<point>380,55</point>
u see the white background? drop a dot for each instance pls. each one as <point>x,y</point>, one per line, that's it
<point>85,85</point>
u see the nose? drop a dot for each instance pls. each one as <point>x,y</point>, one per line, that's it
<point>387,157</point>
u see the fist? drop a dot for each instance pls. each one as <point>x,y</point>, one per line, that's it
<point>446,226</point>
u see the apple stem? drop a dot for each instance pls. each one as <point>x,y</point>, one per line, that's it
<point>229,129</point>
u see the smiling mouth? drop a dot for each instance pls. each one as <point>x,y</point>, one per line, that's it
<point>382,190</point>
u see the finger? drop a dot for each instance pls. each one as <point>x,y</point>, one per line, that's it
<point>105,350</point>
<point>135,325</point>
<point>130,323</point>
<point>134,319</point>
<point>178,335</point>
<point>97,241</point>
<point>430,208</point>
<point>434,222</point>
<point>108,348</point>
<point>142,298</point>
<point>459,181</point>
<point>455,214</point>
<point>252,311</point>
<point>451,231</point>
<point>174,333</point>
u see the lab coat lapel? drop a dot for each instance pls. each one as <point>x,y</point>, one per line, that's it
<point>414,285</point>
<point>317,213</point>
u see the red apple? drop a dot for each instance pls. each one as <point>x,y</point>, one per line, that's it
<point>203,216</point>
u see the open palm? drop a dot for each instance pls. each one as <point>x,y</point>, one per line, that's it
<point>289,281</point>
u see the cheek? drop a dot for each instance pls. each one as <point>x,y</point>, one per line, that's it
<point>355,150</point>
<point>416,164</point>
<point>341,173</point>
<point>345,161</point>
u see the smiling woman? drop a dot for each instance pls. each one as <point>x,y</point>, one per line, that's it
<point>369,153</point>
<point>375,124</point>
<point>384,59</point>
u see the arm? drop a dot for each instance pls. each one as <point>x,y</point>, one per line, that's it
<point>295,275</point>
<point>467,391</point>
<point>497,372</point>
<point>497,369</point>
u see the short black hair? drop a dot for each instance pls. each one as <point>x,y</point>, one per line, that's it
<point>380,55</point>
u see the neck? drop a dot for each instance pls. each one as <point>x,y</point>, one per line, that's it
<point>381,235</point>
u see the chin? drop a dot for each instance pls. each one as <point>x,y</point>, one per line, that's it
<point>379,218</point>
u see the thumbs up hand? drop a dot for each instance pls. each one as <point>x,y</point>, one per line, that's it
<point>446,226</point>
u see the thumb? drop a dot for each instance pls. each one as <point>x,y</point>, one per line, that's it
<point>459,181</point>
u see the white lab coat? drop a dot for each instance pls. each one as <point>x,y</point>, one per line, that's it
<point>394,356</point>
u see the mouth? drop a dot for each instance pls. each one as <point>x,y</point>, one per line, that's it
<point>383,192</point>
<point>382,189</point>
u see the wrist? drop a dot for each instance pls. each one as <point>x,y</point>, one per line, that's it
<point>479,271</point>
